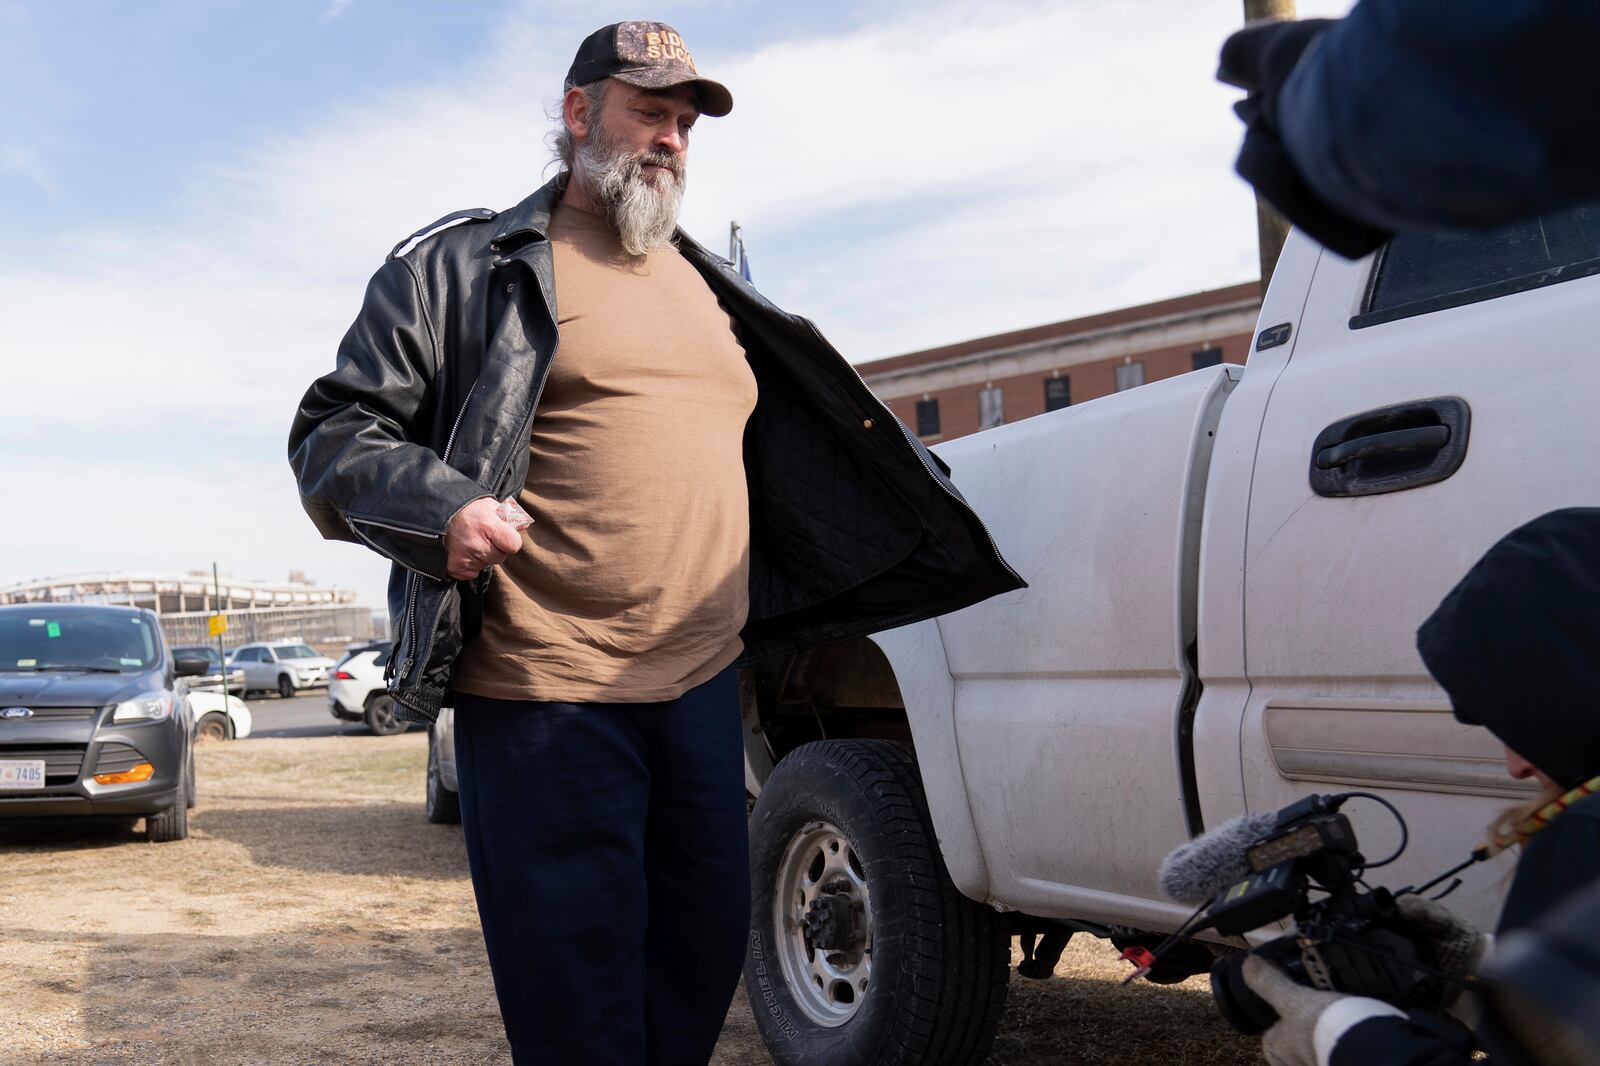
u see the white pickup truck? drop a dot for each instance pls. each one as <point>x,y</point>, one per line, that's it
<point>1226,573</point>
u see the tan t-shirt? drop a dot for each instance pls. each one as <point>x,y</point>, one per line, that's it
<point>633,581</point>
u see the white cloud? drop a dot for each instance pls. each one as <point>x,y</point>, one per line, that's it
<point>26,162</point>
<point>939,173</point>
<point>334,9</point>
<point>113,514</point>
<point>1084,168</point>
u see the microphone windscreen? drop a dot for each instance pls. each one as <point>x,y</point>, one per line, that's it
<point>1209,863</point>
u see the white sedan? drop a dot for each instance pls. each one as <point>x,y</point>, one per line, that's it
<point>357,692</point>
<point>219,717</point>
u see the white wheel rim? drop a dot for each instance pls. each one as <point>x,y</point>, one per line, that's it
<point>828,986</point>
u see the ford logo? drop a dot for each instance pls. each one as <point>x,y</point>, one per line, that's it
<point>16,712</point>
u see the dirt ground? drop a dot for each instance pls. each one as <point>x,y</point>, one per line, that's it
<point>315,917</point>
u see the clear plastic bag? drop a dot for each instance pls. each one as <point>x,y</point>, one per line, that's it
<point>511,512</point>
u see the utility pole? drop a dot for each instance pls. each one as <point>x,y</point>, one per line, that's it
<point>1272,229</point>
<point>219,625</point>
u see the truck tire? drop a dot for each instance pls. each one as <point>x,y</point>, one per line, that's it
<point>844,859</point>
<point>443,806</point>
<point>172,823</point>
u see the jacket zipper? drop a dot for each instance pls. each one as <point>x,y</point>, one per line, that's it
<point>414,531</point>
<point>411,593</point>
<point>938,478</point>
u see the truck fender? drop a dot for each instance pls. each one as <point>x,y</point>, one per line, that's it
<point>916,654</point>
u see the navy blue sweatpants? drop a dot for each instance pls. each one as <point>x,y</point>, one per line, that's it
<point>609,856</point>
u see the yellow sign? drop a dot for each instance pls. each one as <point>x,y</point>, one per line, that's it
<point>217,624</point>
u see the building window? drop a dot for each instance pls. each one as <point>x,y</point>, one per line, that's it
<point>1129,375</point>
<point>928,418</point>
<point>1057,393</point>
<point>991,408</point>
<point>1207,357</point>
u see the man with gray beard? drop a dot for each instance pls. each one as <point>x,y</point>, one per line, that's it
<point>708,483</point>
<point>597,717</point>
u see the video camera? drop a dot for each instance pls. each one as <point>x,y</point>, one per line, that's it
<point>1350,939</point>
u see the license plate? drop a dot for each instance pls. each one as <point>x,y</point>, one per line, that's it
<point>21,773</point>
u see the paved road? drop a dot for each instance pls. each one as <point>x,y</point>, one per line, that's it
<point>303,716</point>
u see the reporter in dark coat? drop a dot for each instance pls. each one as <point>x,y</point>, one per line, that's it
<point>1517,646</point>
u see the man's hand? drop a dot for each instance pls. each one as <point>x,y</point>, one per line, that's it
<point>477,539</point>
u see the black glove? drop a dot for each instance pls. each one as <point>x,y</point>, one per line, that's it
<point>1259,59</point>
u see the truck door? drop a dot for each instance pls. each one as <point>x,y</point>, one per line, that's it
<point>1439,394</point>
<point>1067,694</point>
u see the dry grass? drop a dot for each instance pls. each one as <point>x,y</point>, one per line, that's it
<point>314,916</point>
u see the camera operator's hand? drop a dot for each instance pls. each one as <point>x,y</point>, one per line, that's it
<point>477,539</point>
<point>1260,59</point>
<point>1303,1019</point>
<point>1454,946</point>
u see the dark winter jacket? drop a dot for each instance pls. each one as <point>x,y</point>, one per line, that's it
<point>1516,644</point>
<point>1422,115</point>
<point>854,526</point>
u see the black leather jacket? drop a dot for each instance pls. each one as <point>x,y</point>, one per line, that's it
<point>854,525</point>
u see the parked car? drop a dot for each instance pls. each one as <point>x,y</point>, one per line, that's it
<point>443,805</point>
<point>219,716</point>
<point>220,676</point>
<point>95,720</point>
<point>283,667</point>
<point>1226,572</point>
<point>357,693</point>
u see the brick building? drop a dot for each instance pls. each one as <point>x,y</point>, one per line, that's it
<point>958,389</point>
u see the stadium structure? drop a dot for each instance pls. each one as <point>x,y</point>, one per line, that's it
<point>255,610</point>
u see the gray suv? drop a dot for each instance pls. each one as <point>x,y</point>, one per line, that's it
<point>94,718</point>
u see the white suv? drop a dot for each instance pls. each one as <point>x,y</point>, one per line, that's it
<point>357,693</point>
<point>286,667</point>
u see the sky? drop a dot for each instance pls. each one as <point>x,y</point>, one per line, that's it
<point>194,194</point>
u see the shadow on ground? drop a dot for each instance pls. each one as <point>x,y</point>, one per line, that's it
<point>68,835</point>
<point>330,994</point>
<point>370,839</point>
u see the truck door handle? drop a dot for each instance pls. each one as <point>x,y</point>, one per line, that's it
<point>1389,449</point>
<point>1394,442</point>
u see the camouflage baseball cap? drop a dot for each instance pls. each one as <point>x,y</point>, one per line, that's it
<point>651,55</point>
